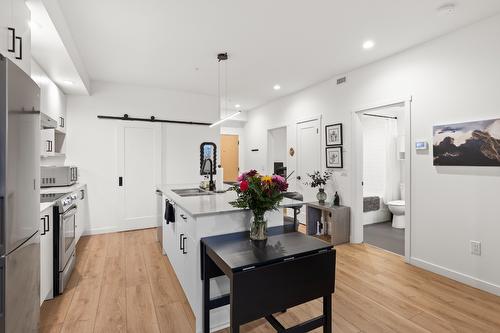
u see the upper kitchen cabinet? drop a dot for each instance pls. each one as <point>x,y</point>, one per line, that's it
<point>15,34</point>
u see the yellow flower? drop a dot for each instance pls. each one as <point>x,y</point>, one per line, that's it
<point>266,179</point>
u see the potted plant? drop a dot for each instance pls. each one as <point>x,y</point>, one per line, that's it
<point>259,194</point>
<point>320,180</point>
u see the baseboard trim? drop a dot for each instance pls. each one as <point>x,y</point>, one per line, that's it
<point>457,276</point>
<point>107,230</point>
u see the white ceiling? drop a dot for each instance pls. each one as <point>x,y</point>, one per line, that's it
<point>295,43</point>
<point>52,51</point>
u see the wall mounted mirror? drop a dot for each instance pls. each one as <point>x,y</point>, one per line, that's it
<point>208,150</point>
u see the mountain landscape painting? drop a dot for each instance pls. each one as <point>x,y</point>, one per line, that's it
<point>468,144</point>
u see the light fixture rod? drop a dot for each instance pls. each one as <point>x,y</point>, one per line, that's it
<point>227,118</point>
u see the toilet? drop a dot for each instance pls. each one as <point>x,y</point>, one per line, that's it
<point>397,208</point>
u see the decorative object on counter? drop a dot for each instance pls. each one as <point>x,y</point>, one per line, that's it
<point>333,135</point>
<point>208,150</point>
<point>291,151</point>
<point>259,194</point>
<point>336,200</point>
<point>320,180</point>
<point>334,158</point>
<point>219,181</point>
<point>474,143</point>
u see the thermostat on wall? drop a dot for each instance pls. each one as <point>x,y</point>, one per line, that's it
<point>421,145</point>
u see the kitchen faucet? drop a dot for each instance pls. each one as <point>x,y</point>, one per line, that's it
<point>211,184</point>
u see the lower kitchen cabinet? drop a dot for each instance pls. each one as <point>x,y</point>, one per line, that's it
<point>46,254</point>
<point>82,215</point>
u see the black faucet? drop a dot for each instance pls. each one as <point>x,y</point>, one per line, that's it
<point>211,184</point>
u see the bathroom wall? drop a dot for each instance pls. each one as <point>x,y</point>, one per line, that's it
<point>451,79</point>
<point>381,168</point>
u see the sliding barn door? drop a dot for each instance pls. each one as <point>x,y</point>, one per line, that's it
<point>139,163</point>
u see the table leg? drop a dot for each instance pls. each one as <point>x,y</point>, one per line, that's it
<point>206,297</point>
<point>327,312</point>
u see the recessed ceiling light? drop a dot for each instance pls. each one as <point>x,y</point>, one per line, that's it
<point>68,82</point>
<point>447,8</point>
<point>368,44</point>
<point>277,87</point>
<point>237,106</point>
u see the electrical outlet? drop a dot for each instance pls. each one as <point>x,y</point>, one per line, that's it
<point>475,248</point>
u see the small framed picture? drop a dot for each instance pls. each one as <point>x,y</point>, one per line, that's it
<point>333,135</point>
<point>334,157</point>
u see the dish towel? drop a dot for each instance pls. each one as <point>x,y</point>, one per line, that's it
<point>169,212</point>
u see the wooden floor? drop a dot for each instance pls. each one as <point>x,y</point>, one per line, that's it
<point>123,283</point>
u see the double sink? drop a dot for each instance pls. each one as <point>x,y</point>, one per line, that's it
<point>191,192</point>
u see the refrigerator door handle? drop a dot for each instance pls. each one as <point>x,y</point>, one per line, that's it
<point>2,225</point>
<point>2,286</point>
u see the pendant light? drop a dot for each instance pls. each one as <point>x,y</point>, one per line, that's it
<point>221,58</point>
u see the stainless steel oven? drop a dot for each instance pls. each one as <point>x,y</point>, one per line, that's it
<point>64,240</point>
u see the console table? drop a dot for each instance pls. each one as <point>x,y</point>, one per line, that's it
<point>340,217</point>
<point>290,269</point>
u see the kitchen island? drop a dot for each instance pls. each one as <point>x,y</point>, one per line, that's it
<point>198,216</point>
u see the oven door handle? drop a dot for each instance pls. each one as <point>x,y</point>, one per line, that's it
<point>70,212</point>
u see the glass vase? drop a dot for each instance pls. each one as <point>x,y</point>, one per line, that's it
<point>321,196</point>
<point>258,227</point>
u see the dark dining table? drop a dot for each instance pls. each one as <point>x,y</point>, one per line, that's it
<point>289,269</point>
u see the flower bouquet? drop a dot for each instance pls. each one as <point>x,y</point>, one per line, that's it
<point>259,194</point>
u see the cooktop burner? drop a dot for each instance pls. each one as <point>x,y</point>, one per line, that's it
<point>50,197</point>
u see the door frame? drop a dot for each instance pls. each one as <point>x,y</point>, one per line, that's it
<point>357,165</point>
<point>120,170</point>
<point>268,153</point>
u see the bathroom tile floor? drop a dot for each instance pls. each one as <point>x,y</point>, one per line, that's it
<point>384,236</point>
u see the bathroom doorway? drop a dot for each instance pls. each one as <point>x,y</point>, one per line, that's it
<point>382,176</point>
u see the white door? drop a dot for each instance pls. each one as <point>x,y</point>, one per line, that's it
<point>139,160</point>
<point>308,158</point>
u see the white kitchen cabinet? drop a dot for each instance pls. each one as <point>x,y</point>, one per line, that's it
<point>46,254</point>
<point>52,143</point>
<point>82,215</point>
<point>15,33</point>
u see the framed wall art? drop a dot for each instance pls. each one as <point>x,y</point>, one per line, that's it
<point>333,135</point>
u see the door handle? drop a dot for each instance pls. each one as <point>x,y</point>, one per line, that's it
<point>299,178</point>
<point>13,40</point>
<point>181,242</point>
<point>20,39</point>
<point>120,181</point>
<point>184,245</point>
<point>48,224</point>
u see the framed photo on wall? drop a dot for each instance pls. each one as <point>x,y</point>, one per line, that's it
<point>333,135</point>
<point>334,157</point>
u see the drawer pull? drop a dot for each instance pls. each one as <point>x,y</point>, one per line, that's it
<point>248,268</point>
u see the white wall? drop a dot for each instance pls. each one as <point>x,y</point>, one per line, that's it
<point>92,143</point>
<point>452,79</point>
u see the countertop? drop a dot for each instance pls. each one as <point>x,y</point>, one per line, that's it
<point>59,189</point>
<point>210,204</point>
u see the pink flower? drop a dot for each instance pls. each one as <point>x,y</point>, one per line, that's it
<point>242,176</point>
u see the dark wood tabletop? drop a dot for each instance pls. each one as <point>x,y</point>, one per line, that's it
<point>237,252</point>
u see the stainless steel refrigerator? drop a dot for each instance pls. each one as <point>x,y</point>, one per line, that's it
<point>19,200</point>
